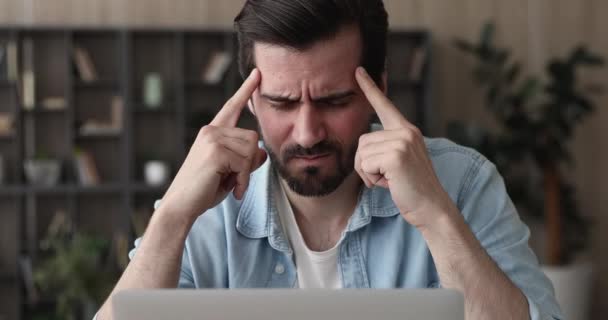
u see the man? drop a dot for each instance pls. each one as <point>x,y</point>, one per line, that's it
<point>336,205</point>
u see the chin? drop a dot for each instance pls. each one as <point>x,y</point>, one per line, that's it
<point>310,182</point>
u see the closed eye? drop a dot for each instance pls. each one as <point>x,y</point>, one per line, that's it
<point>282,105</point>
<point>338,102</point>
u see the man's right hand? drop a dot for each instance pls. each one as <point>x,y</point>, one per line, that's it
<point>220,160</point>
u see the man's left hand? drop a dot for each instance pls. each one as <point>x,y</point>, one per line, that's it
<point>396,158</point>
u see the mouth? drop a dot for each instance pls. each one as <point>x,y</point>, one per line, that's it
<point>313,157</point>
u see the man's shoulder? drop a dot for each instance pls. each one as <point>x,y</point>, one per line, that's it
<point>442,148</point>
<point>448,155</point>
<point>456,166</point>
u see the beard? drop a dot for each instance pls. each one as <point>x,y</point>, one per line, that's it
<point>312,181</point>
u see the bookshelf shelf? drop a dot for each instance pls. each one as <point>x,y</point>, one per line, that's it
<point>87,68</point>
<point>199,84</point>
<point>8,190</point>
<point>142,188</point>
<point>50,190</point>
<point>7,84</point>
<point>104,84</point>
<point>98,136</point>
<point>66,189</point>
<point>100,189</point>
<point>161,110</point>
<point>43,111</point>
<point>7,136</point>
<point>8,278</point>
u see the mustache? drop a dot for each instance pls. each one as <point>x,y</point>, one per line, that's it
<point>322,147</point>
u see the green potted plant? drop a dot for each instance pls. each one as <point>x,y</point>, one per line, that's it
<point>76,269</point>
<point>536,118</point>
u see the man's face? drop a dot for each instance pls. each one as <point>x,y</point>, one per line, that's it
<point>311,111</point>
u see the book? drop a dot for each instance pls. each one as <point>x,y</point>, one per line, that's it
<point>6,124</point>
<point>86,168</point>
<point>216,67</point>
<point>60,224</point>
<point>120,249</point>
<point>12,61</point>
<point>54,103</point>
<point>28,90</point>
<point>418,61</point>
<point>117,112</point>
<point>3,71</point>
<point>113,127</point>
<point>93,128</point>
<point>29,77</point>
<point>27,274</point>
<point>84,65</point>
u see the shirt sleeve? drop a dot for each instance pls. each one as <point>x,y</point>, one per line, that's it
<point>490,213</point>
<point>204,256</point>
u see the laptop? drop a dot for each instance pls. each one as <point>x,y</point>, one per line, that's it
<point>293,304</point>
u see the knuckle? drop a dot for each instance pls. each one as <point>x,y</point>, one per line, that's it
<point>363,139</point>
<point>408,135</point>
<point>365,165</point>
<point>417,132</point>
<point>205,130</point>
<point>252,136</point>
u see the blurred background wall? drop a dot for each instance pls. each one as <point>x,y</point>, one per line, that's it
<point>534,29</point>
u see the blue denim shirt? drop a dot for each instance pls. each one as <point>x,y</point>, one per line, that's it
<point>241,244</point>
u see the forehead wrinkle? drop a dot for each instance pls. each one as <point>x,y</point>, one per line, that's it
<point>325,87</point>
<point>280,91</point>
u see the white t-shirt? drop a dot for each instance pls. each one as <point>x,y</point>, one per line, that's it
<point>314,269</point>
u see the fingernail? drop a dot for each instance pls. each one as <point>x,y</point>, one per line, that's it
<point>362,71</point>
<point>255,70</point>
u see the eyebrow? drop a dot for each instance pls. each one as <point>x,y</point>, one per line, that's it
<point>329,97</point>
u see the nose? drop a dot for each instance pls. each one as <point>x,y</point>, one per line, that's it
<point>308,128</point>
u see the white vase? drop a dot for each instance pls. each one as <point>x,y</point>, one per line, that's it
<point>42,172</point>
<point>153,90</point>
<point>156,172</point>
<point>572,288</point>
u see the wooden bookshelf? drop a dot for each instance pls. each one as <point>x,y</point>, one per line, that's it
<point>122,59</point>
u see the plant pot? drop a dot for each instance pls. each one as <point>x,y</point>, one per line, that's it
<point>572,288</point>
<point>42,172</point>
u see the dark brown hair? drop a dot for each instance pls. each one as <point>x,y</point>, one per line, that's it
<point>299,24</point>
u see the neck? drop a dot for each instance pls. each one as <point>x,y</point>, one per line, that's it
<point>325,217</point>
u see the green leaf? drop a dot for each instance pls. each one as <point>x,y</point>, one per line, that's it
<point>529,89</point>
<point>465,46</point>
<point>512,73</point>
<point>581,55</point>
<point>487,34</point>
